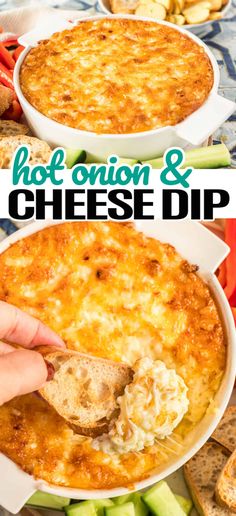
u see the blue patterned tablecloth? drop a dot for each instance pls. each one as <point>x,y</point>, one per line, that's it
<point>220,36</point>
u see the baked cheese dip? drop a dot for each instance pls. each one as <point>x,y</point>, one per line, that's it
<point>117,76</point>
<point>151,407</point>
<point>113,292</point>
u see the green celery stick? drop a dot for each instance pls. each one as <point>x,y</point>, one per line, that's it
<point>214,156</point>
<point>185,503</point>
<point>161,501</point>
<point>48,501</point>
<point>74,156</point>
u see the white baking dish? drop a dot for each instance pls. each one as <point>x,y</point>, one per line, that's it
<point>210,251</point>
<point>197,28</point>
<point>193,130</point>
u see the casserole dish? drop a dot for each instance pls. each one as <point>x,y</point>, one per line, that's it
<point>142,145</point>
<point>17,486</point>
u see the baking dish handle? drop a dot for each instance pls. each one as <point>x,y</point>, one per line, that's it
<point>44,31</point>
<point>16,486</point>
<point>193,241</point>
<point>204,122</point>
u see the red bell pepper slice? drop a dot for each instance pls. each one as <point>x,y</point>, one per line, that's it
<point>234,314</point>
<point>230,238</point>
<point>6,77</point>
<point>18,51</point>
<point>10,43</point>
<point>14,112</point>
<point>222,274</point>
<point>6,57</point>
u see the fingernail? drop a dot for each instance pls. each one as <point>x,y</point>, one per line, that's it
<point>51,371</point>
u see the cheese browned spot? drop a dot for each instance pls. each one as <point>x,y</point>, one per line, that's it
<point>117,76</point>
<point>149,304</point>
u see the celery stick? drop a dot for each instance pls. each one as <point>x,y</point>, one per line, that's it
<point>127,161</point>
<point>74,156</point>
<point>161,501</point>
<point>93,159</point>
<point>49,501</point>
<point>185,503</point>
<point>139,506</point>
<point>81,509</point>
<point>214,156</point>
<point>101,504</point>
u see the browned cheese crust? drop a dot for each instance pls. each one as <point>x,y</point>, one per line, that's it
<point>117,76</point>
<point>110,291</point>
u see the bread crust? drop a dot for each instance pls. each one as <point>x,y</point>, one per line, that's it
<point>225,433</point>
<point>201,473</point>
<point>111,379</point>
<point>226,485</point>
<point>123,6</point>
<point>11,128</point>
<point>6,98</point>
<point>40,151</point>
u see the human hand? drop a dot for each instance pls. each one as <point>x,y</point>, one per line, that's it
<point>22,370</point>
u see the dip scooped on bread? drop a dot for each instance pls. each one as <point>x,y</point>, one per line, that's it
<point>128,408</point>
<point>152,406</point>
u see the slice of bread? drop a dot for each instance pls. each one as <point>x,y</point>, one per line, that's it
<point>226,485</point>
<point>6,98</point>
<point>225,432</point>
<point>84,389</point>
<point>123,6</point>
<point>11,128</point>
<point>40,151</point>
<point>201,474</point>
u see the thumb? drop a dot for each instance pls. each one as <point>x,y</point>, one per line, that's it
<point>21,371</point>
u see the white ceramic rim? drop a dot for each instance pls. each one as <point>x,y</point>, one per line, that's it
<point>187,26</point>
<point>222,397</point>
<point>128,136</point>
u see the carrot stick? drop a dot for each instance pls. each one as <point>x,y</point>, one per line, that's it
<point>17,52</point>
<point>6,77</point>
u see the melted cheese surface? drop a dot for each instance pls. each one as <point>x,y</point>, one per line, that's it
<point>110,291</point>
<point>117,76</point>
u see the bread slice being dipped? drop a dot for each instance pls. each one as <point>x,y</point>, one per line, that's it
<point>84,389</point>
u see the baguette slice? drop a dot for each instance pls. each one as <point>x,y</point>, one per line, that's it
<point>225,432</point>
<point>201,473</point>
<point>123,6</point>
<point>6,98</point>
<point>40,151</point>
<point>84,389</point>
<point>11,128</point>
<point>226,485</point>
